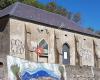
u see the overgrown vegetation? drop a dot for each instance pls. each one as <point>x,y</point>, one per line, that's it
<point>51,7</point>
<point>92,30</point>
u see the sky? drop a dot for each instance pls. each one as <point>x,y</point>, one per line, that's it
<point>89,10</point>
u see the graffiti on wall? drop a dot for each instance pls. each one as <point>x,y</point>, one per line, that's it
<point>34,45</point>
<point>19,69</point>
<point>17,46</point>
<point>86,54</point>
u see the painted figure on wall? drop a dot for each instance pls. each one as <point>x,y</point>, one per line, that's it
<point>23,70</point>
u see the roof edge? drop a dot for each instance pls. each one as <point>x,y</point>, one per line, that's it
<point>52,26</point>
<point>10,11</point>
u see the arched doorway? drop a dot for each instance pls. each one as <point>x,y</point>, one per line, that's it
<point>66,54</point>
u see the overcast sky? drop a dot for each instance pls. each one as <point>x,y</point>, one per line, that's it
<point>89,9</point>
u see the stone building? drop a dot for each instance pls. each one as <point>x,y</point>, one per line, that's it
<point>40,36</point>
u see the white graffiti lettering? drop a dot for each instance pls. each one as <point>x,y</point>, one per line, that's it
<point>86,54</point>
<point>17,46</point>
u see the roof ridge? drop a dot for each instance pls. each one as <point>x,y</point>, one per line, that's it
<point>31,13</point>
<point>42,10</point>
<point>19,3</point>
<point>14,8</point>
<point>49,12</point>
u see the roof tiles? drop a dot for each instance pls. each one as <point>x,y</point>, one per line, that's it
<point>31,13</point>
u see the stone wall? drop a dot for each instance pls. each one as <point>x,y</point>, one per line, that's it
<point>82,73</point>
<point>19,38</point>
<point>4,45</point>
<point>29,35</point>
<point>76,73</point>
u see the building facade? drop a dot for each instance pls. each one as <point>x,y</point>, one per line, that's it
<point>40,36</point>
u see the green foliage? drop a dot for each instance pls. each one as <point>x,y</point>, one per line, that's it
<point>76,17</point>
<point>50,7</point>
<point>30,2</point>
<point>53,7</point>
<point>94,31</point>
<point>91,29</point>
<point>98,32</point>
<point>39,5</point>
<point>62,11</point>
<point>5,3</point>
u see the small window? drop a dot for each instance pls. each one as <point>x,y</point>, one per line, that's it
<point>66,54</point>
<point>43,44</point>
<point>1,64</point>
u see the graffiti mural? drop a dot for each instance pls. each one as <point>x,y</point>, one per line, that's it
<point>85,52</point>
<point>17,46</point>
<point>19,69</point>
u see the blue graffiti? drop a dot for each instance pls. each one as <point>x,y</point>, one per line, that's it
<point>39,74</point>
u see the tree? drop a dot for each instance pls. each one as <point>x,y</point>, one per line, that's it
<point>91,29</point>
<point>5,3</point>
<point>76,17</point>
<point>38,5</point>
<point>69,16</point>
<point>51,7</point>
<point>98,32</point>
<point>30,2</point>
<point>62,11</point>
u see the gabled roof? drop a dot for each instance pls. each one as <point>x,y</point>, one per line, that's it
<point>31,13</point>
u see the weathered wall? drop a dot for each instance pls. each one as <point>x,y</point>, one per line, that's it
<point>4,45</point>
<point>4,37</point>
<point>82,73</point>
<point>65,37</point>
<point>22,38</point>
<point>85,49</point>
<point>97,52</point>
<point>17,39</point>
<point>30,34</point>
<point>37,34</point>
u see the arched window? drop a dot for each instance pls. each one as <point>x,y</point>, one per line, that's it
<point>66,54</point>
<point>43,44</point>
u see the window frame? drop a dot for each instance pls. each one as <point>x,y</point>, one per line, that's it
<point>44,55</point>
<point>66,61</point>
